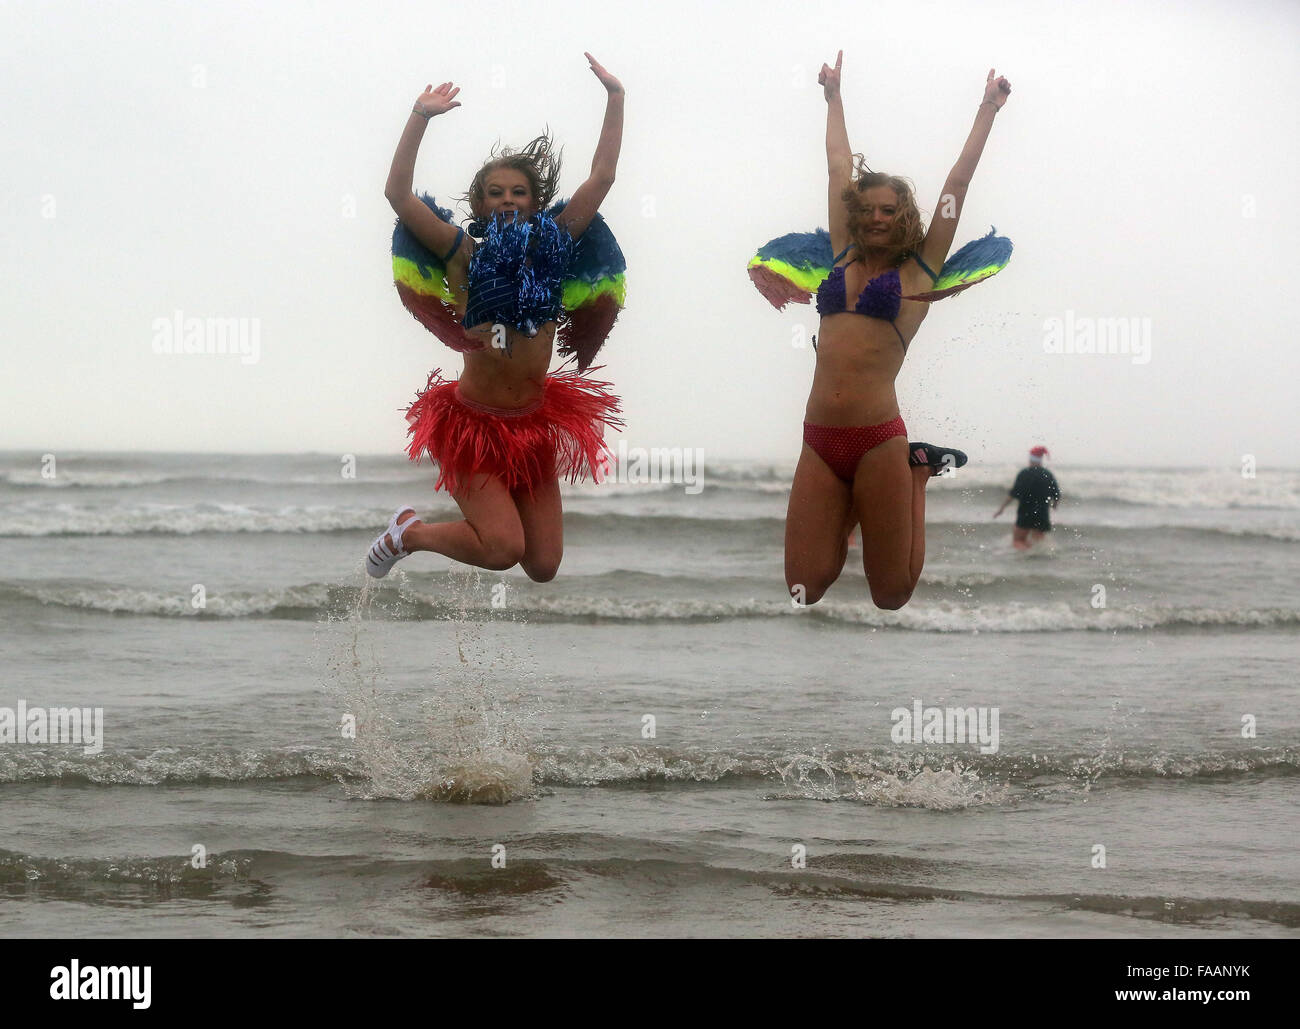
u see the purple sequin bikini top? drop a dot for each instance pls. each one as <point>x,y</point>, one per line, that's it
<point>880,298</point>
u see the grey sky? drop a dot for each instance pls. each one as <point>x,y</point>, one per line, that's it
<point>228,161</point>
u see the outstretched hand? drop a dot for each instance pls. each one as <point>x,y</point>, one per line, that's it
<point>996,90</point>
<point>829,78</point>
<point>606,79</point>
<point>440,100</point>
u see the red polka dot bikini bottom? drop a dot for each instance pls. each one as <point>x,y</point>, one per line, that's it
<point>842,446</point>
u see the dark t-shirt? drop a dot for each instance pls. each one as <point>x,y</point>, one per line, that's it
<point>1036,489</point>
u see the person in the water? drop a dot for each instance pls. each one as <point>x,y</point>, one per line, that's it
<point>1038,493</point>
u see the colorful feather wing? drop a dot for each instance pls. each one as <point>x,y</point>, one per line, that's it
<point>978,260</point>
<point>791,267</point>
<point>594,291</point>
<point>421,280</point>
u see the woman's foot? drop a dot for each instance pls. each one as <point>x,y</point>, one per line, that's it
<point>387,549</point>
<point>937,459</point>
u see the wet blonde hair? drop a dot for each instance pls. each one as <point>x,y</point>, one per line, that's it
<point>540,163</point>
<point>909,229</point>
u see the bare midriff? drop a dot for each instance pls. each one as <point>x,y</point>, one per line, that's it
<point>858,359</point>
<point>495,380</point>
<point>490,377</point>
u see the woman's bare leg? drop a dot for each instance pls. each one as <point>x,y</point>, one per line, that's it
<point>542,517</point>
<point>889,500</point>
<point>817,525</point>
<point>491,535</point>
<point>920,476</point>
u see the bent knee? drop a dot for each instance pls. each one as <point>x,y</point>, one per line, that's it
<point>804,593</point>
<point>541,571</point>
<point>890,600</point>
<point>500,560</point>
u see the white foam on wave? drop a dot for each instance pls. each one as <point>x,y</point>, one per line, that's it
<point>1191,488</point>
<point>32,520</point>
<point>165,765</point>
<point>1056,617</point>
<point>615,608</point>
<point>463,611</point>
<point>491,774</point>
<point>936,789</point>
<point>75,477</point>
<point>960,580</point>
<point>1284,533</point>
<point>84,479</point>
<point>865,779</point>
<point>124,600</point>
<point>612,608</point>
<point>632,763</point>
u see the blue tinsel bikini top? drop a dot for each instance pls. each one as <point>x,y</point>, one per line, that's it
<point>517,273</point>
<point>880,298</point>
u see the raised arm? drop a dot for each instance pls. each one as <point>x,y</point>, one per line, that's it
<point>839,157</point>
<point>588,197</point>
<point>427,227</point>
<point>943,227</point>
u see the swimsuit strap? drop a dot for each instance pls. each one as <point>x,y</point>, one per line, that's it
<point>460,235</point>
<point>924,267</point>
<point>841,254</point>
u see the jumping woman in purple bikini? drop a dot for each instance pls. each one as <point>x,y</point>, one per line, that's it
<point>856,465</point>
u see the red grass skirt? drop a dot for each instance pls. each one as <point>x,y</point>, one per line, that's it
<point>562,435</point>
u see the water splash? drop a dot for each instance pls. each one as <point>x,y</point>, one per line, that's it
<point>810,776</point>
<point>906,782</point>
<point>460,734</point>
<point>935,789</point>
<point>1089,770</point>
